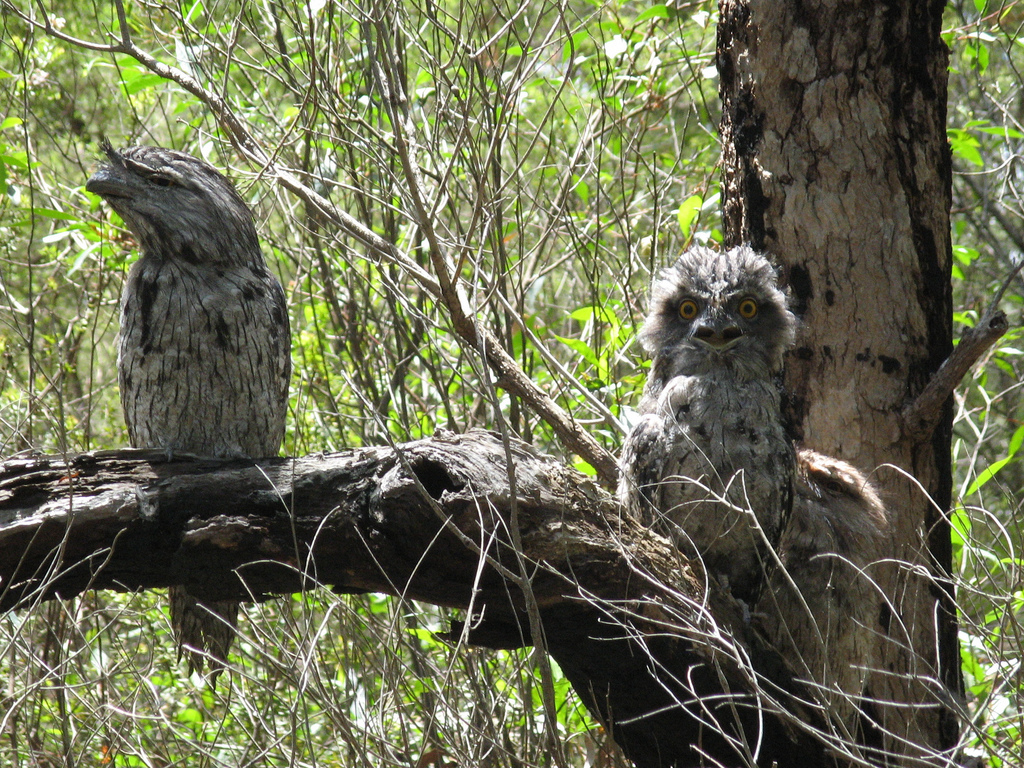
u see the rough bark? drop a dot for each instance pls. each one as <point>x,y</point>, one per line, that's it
<point>836,161</point>
<point>626,618</point>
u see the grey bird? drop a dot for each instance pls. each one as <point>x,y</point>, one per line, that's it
<point>709,463</point>
<point>793,534</point>
<point>204,356</point>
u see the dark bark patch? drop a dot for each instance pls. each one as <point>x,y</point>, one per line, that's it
<point>889,364</point>
<point>434,478</point>
<point>794,408</point>
<point>800,288</point>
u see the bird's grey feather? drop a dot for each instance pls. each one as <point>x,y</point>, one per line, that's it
<point>823,608</point>
<point>709,463</point>
<point>204,355</point>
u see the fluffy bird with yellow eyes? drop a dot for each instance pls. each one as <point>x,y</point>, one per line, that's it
<point>709,463</point>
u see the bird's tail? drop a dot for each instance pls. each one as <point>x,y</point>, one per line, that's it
<point>203,631</point>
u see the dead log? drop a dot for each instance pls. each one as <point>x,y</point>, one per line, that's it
<point>670,668</point>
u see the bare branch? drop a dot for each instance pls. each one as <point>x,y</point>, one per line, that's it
<point>47,27</point>
<point>663,664</point>
<point>922,415</point>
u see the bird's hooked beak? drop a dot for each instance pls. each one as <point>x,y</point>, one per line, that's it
<point>720,335</point>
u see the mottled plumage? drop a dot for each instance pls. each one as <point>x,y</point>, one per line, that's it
<point>203,363</point>
<point>709,463</point>
<point>709,457</point>
<point>823,607</point>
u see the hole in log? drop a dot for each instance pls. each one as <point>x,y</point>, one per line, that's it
<point>435,478</point>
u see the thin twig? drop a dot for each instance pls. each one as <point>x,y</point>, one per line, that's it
<point>443,287</point>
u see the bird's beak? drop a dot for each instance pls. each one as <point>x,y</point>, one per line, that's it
<point>107,182</point>
<point>717,337</point>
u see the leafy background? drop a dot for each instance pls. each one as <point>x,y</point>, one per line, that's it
<point>567,150</point>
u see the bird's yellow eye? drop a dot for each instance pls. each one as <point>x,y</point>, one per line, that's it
<point>748,308</point>
<point>688,309</point>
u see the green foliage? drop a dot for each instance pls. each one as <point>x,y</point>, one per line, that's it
<point>551,142</point>
<point>566,151</point>
<point>986,138</point>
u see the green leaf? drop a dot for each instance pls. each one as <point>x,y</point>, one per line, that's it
<point>600,312</point>
<point>10,122</point>
<point>572,46</point>
<point>581,466</point>
<point>977,55</point>
<point>688,212</point>
<point>16,159</point>
<point>986,475</point>
<point>194,11</point>
<point>964,254</point>
<point>994,467</point>
<point>425,636</point>
<point>654,12</point>
<point>965,146</point>
<point>1016,441</point>
<point>581,348</point>
<point>1006,133</point>
<point>139,81</point>
<point>83,256</point>
<point>189,715</point>
<point>583,314</point>
<point>982,57</point>
<point>968,318</point>
<point>583,191</point>
<point>52,213</point>
<point>960,526</point>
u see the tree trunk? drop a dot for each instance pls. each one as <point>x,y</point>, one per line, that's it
<point>836,162</point>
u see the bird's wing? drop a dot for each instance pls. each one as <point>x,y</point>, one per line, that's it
<point>643,467</point>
